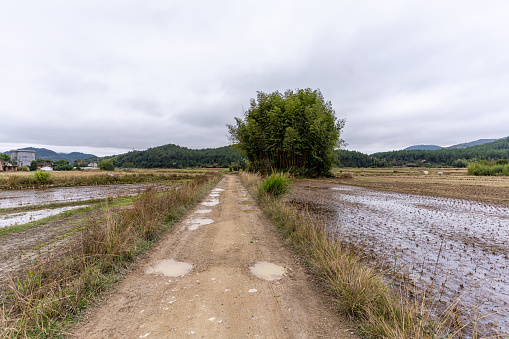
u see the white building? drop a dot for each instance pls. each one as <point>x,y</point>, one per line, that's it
<point>22,157</point>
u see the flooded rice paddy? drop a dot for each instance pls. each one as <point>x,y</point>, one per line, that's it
<point>26,217</point>
<point>38,197</point>
<point>447,242</point>
<point>16,198</point>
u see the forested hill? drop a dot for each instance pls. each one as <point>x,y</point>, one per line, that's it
<point>173,156</point>
<point>47,154</point>
<point>491,151</point>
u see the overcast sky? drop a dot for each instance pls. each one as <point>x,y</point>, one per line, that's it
<point>106,77</point>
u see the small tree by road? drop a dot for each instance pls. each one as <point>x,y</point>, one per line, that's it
<point>106,165</point>
<point>295,131</point>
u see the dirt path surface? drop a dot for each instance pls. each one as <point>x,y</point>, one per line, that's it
<point>223,238</point>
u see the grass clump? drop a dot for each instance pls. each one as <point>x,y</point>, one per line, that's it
<point>277,184</point>
<point>48,297</point>
<point>42,178</point>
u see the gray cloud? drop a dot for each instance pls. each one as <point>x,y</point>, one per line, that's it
<point>109,76</point>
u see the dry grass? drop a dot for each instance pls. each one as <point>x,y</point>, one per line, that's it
<point>361,292</point>
<point>17,180</point>
<point>43,302</point>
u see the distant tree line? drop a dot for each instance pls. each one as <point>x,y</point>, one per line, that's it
<point>461,157</point>
<point>173,156</point>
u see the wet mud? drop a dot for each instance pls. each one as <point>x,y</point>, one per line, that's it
<point>267,271</point>
<point>171,268</point>
<point>451,244</point>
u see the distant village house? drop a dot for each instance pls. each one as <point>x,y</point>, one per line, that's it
<point>7,166</point>
<point>22,157</point>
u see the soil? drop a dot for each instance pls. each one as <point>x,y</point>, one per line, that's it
<point>19,250</point>
<point>220,297</point>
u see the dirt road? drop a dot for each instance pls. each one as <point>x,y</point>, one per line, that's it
<point>243,282</point>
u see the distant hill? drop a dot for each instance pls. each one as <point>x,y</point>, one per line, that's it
<point>463,145</point>
<point>423,147</point>
<point>456,155</point>
<point>472,143</point>
<point>44,153</point>
<point>174,156</point>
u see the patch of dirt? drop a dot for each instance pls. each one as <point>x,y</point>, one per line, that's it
<point>219,297</point>
<point>18,250</point>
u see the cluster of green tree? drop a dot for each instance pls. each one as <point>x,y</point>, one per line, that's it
<point>461,157</point>
<point>5,157</point>
<point>499,167</point>
<point>295,131</point>
<point>173,156</point>
<point>345,158</point>
<point>60,165</point>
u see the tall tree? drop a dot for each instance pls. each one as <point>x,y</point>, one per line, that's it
<point>296,131</point>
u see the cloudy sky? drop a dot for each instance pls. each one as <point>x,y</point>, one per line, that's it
<point>107,77</point>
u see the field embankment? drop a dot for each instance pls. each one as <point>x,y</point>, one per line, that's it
<point>96,248</point>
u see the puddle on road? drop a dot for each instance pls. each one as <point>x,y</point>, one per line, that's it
<point>194,224</point>
<point>213,195</point>
<point>211,202</point>
<point>203,211</point>
<point>250,211</point>
<point>25,217</point>
<point>171,268</point>
<point>218,190</point>
<point>267,271</point>
<point>248,202</point>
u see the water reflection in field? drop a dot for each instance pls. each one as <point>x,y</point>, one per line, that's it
<point>471,237</point>
<point>16,198</point>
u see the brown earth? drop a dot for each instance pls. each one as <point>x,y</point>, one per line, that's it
<point>220,297</point>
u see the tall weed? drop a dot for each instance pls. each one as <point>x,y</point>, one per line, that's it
<point>276,184</point>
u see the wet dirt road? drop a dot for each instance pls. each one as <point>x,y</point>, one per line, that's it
<point>223,272</point>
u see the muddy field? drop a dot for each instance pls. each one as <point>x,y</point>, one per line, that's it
<point>18,249</point>
<point>450,244</point>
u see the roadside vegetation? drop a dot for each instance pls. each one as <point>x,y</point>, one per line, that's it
<point>381,310</point>
<point>44,301</point>
<point>41,179</point>
<point>499,167</point>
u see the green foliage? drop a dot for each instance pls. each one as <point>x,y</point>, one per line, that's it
<point>62,165</point>
<point>501,167</point>
<point>491,151</point>
<point>23,168</point>
<point>42,178</point>
<point>295,131</point>
<point>277,184</point>
<point>107,165</point>
<point>128,164</point>
<point>33,165</point>
<point>173,156</point>
<point>5,157</point>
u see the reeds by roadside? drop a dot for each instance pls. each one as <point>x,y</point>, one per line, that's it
<point>361,292</point>
<point>45,300</point>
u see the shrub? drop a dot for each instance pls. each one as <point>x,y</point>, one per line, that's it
<point>42,178</point>
<point>276,184</point>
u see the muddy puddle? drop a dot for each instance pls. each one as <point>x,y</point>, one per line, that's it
<point>26,197</point>
<point>194,224</point>
<point>465,242</point>
<point>25,217</point>
<point>171,268</point>
<point>267,271</point>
